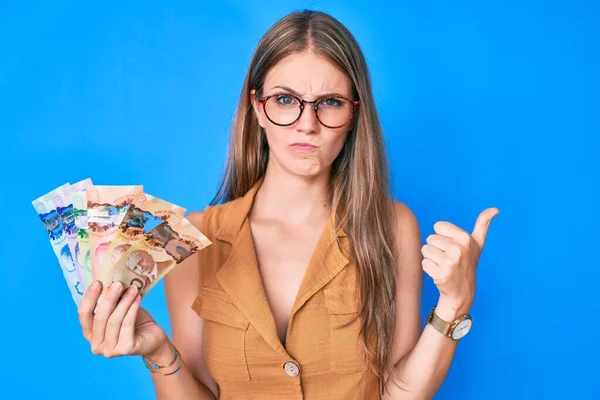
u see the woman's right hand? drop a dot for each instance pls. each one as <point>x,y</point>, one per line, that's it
<point>119,326</point>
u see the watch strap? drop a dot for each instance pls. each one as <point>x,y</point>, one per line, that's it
<point>439,324</point>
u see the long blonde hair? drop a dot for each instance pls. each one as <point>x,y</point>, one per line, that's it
<point>359,193</point>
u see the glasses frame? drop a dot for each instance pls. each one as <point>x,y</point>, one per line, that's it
<point>301,102</point>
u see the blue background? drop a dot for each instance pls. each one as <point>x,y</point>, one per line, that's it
<point>482,104</point>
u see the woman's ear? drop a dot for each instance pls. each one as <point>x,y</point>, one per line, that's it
<point>258,108</point>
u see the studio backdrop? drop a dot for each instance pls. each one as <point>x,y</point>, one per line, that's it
<point>483,104</point>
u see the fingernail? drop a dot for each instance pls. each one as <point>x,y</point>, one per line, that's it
<point>132,289</point>
<point>116,286</point>
<point>95,285</point>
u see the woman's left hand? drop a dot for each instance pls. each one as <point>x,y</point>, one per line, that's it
<point>451,256</point>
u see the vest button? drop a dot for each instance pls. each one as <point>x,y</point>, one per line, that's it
<point>291,368</point>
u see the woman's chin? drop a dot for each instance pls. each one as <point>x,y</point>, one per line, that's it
<point>307,168</point>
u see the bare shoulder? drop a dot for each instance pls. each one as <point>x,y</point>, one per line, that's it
<point>196,218</point>
<point>406,224</point>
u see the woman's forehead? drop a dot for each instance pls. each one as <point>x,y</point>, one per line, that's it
<point>308,74</point>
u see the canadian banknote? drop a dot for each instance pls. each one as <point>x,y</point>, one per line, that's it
<point>64,206</point>
<point>55,228</point>
<point>139,220</point>
<point>82,252</point>
<point>107,206</point>
<point>160,250</point>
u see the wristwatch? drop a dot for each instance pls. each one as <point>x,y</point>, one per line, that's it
<point>455,330</point>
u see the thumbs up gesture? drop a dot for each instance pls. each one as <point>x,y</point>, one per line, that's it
<point>451,255</point>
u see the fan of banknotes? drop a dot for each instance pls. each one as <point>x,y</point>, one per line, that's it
<point>110,233</point>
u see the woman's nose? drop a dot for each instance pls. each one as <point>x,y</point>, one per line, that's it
<point>308,122</point>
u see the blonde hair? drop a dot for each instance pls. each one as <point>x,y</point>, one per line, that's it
<point>359,191</point>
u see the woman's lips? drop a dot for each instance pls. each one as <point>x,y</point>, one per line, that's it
<point>303,147</point>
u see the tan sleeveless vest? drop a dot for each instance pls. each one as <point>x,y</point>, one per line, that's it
<point>323,357</point>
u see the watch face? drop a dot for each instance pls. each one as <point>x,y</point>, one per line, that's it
<point>462,329</point>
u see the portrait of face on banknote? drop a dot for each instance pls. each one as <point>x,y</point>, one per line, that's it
<point>139,269</point>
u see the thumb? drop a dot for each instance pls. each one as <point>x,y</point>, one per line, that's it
<point>482,225</point>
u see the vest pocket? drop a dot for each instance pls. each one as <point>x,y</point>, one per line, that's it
<point>346,343</point>
<point>224,335</point>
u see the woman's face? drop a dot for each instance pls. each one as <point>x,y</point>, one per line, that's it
<point>305,148</point>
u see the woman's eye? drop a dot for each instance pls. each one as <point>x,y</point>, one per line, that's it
<point>332,102</point>
<point>285,100</point>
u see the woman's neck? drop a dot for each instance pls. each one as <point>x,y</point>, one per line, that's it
<point>292,198</point>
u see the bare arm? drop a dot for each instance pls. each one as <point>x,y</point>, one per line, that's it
<point>193,380</point>
<point>422,357</point>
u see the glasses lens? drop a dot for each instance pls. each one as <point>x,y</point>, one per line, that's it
<point>334,111</point>
<point>282,109</point>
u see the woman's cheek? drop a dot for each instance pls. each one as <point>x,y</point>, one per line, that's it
<point>276,138</point>
<point>336,146</point>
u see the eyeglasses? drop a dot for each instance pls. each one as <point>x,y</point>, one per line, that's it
<point>285,109</point>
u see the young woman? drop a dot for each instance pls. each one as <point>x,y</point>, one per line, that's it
<point>312,286</point>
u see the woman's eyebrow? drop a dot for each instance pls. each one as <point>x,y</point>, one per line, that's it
<point>292,91</point>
